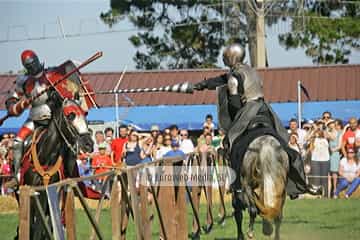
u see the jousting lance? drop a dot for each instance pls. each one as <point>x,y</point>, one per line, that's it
<point>26,102</point>
<point>185,87</point>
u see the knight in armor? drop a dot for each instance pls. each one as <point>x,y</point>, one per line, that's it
<point>26,86</point>
<point>244,115</point>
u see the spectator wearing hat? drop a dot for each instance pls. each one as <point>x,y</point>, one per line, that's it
<point>349,171</point>
<point>349,137</point>
<point>101,161</point>
<point>117,144</point>
<point>155,131</point>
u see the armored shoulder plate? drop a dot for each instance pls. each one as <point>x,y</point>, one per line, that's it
<point>252,83</point>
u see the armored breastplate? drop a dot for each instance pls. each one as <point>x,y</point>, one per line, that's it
<point>233,85</point>
<point>39,108</point>
<point>252,83</point>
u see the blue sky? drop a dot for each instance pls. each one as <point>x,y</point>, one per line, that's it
<point>33,18</point>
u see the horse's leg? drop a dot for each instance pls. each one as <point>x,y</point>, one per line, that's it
<point>278,221</point>
<point>237,205</point>
<point>252,214</point>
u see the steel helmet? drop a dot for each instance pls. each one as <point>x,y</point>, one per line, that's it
<point>233,54</point>
<point>31,62</point>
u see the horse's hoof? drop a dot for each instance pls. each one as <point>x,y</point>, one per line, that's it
<point>250,234</point>
<point>195,235</point>
<point>221,221</point>
<point>207,228</point>
<point>267,228</point>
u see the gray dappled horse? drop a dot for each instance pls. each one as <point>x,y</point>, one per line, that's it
<point>66,129</point>
<point>263,176</point>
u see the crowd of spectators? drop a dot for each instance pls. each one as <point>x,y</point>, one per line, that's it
<point>6,158</point>
<point>330,150</point>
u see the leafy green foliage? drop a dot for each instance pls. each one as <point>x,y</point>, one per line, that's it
<point>326,40</point>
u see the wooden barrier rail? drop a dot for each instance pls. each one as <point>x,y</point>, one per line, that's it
<point>169,201</point>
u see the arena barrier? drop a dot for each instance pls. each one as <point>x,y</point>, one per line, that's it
<point>128,199</point>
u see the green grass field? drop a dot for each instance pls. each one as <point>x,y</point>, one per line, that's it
<point>303,219</point>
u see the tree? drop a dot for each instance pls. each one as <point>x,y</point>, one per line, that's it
<point>328,31</point>
<point>177,33</point>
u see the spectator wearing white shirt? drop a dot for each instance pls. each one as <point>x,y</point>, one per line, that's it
<point>186,145</point>
<point>165,147</point>
<point>349,170</point>
<point>301,133</point>
<point>320,160</point>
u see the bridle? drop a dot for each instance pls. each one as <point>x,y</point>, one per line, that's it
<point>74,134</point>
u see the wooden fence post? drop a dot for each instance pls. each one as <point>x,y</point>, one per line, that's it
<point>115,207</point>
<point>24,213</point>
<point>70,219</point>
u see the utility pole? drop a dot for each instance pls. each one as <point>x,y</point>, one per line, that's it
<point>260,35</point>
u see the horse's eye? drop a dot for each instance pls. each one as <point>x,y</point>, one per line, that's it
<point>71,116</point>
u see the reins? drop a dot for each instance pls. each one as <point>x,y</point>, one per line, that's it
<point>45,174</point>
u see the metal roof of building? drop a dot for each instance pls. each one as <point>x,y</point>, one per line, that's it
<point>324,83</point>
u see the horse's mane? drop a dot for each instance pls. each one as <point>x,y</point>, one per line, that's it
<point>267,178</point>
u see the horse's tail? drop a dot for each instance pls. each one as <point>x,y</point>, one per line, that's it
<point>271,195</point>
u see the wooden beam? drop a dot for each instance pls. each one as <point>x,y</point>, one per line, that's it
<point>70,218</point>
<point>24,213</point>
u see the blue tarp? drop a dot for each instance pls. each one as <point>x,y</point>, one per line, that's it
<point>192,116</point>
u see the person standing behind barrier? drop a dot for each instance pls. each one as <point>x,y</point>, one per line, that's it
<point>293,142</point>
<point>109,135</point>
<point>349,172</point>
<point>294,128</point>
<point>101,162</point>
<point>85,169</point>
<point>210,124</point>
<point>333,134</point>
<point>165,147</point>
<point>117,145</point>
<point>320,164</point>
<point>147,147</point>
<point>99,139</point>
<point>159,142</point>
<point>174,132</point>
<point>348,139</point>
<point>186,145</point>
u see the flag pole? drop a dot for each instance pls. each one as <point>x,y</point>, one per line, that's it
<point>117,134</point>
<point>299,102</point>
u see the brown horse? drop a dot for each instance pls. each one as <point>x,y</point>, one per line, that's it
<point>264,177</point>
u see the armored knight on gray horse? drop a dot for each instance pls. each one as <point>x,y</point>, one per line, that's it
<point>244,115</point>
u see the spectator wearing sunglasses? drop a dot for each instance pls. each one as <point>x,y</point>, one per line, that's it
<point>186,145</point>
<point>326,117</point>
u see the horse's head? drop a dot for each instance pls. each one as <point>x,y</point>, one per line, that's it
<point>74,126</point>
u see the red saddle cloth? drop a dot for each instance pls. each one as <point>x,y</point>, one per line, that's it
<point>85,190</point>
